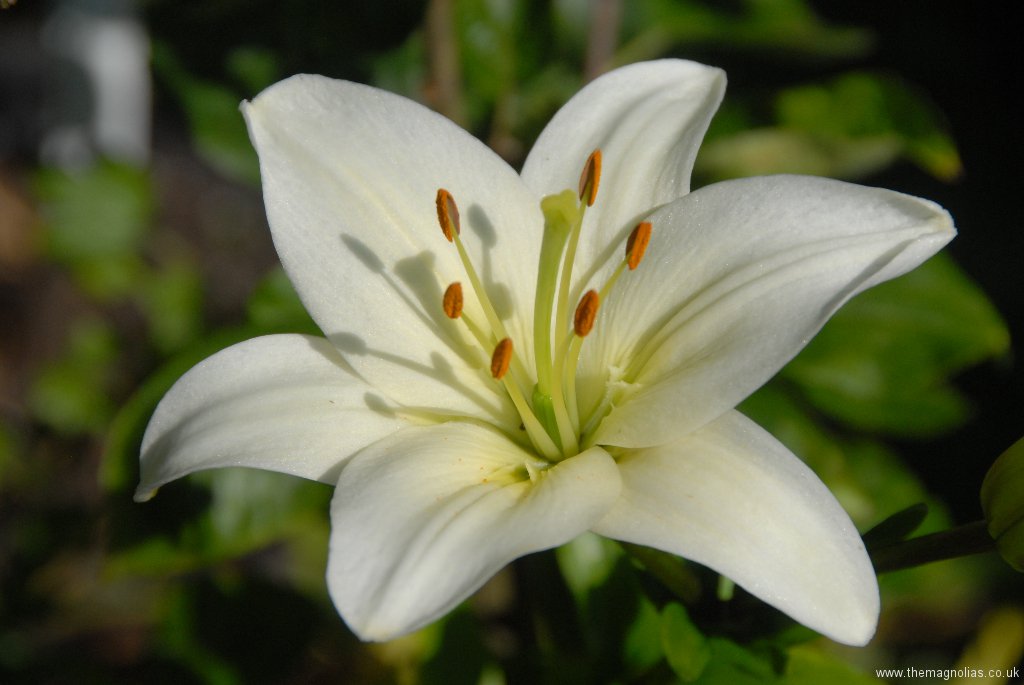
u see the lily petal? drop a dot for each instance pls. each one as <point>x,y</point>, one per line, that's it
<point>733,498</point>
<point>350,176</point>
<point>737,279</point>
<point>648,119</point>
<point>282,402</point>
<point>421,519</point>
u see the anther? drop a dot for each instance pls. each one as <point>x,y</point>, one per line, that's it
<point>447,214</point>
<point>452,302</point>
<point>591,177</point>
<point>501,358</point>
<point>636,245</point>
<point>586,311</point>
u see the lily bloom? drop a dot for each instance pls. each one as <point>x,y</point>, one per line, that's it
<point>510,360</point>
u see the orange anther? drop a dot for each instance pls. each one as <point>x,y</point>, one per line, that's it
<point>586,311</point>
<point>636,245</point>
<point>591,177</point>
<point>447,214</point>
<point>452,302</point>
<point>501,358</point>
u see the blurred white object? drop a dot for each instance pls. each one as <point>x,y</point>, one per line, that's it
<point>110,50</point>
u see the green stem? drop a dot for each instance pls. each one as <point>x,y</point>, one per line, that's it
<point>971,538</point>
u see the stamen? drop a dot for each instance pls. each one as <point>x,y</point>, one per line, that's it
<point>586,310</point>
<point>590,177</point>
<point>504,357</point>
<point>448,214</point>
<point>636,245</point>
<point>501,358</point>
<point>448,217</point>
<point>452,302</point>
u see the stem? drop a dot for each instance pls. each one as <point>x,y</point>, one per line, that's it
<point>962,541</point>
<point>443,59</point>
<point>602,37</point>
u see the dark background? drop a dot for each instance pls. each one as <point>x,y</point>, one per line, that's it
<point>967,57</point>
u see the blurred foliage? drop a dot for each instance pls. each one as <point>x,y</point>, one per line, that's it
<point>659,26</point>
<point>912,336</point>
<point>221,579</point>
<point>64,394</point>
<point>96,221</point>
<point>1002,500</point>
<point>850,127</point>
<point>217,129</point>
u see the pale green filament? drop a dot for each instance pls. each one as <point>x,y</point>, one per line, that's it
<point>497,328</point>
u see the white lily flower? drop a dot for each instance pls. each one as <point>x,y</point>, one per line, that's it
<point>469,411</point>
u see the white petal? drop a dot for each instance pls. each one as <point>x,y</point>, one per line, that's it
<point>648,119</point>
<point>282,402</point>
<point>733,498</point>
<point>421,519</point>
<point>350,175</point>
<point>737,279</point>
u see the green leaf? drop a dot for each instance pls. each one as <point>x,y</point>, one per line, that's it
<point>850,127</point>
<point>95,222</point>
<point>1002,500</point>
<point>172,298</point>
<point>218,129</point>
<point>809,666</point>
<point>685,647</point>
<point>858,108</point>
<point>253,68</point>
<point>99,212</point>
<point>884,361</point>
<point>153,557</point>
<point>70,394</point>
<point>772,150</point>
<point>642,646</point>
<point>732,664</point>
<point>656,27</point>
<point>275,306</point>
<point>250,508</point>
<point>179,639</point>
<point>897,527</point>
<point>403,69</point>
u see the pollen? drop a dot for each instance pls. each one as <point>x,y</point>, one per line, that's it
<point>636,245</point>
<point>452,302</point>
<point>501,358</point>
<point>586,311</point>
<point>448,214</point>
<point>590,177</point>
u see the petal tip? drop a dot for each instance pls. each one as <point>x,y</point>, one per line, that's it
<point>856,632</point>
<point>144,494</point>
<point>853,619</point>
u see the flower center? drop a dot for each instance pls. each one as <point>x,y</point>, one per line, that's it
<point>545,397</point>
